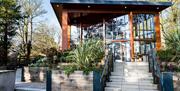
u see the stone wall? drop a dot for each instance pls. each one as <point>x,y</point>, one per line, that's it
<point>7,80</point>
<point>176,80</point>
<point>76,81</point>
<point>35,74</point>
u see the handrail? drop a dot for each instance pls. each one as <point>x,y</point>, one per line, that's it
<point>108,67</point>
<point>154,67</point>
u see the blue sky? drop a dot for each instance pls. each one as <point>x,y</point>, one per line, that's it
<point>50,17</point>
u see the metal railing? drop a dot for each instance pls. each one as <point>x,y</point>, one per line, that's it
<point>108,68</point>
<point>158,76</point>
<point>154,66</point>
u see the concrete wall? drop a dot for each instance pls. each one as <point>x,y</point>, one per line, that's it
<point>35,74</point>
<point>7,80</point>
<point>75,82</point>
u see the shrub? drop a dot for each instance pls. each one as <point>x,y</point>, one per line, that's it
<point>87,55</point>
<point>40,63</point>
<point>165,55</point>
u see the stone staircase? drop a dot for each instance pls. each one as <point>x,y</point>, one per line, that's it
<point>131,76</point>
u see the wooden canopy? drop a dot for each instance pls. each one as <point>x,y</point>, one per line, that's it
<point>90,12</point>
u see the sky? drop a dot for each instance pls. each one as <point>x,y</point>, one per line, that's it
<point>50,18</point>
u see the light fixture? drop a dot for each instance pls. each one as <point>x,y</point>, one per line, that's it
<point>89,6</point>
<point>125,7</point>
<point>57,5</point>
<point>157,8</point>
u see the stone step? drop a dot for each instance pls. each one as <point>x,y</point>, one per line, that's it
<point>133,70</point>
<point>134,77</point>
<point>129,80</point>
<point>134,87</point>
<point>122,80</point>
<point>131,67</point>
<point>127,73</point>
<point>131,75</point>
<point>130,72</point>
<point>126,89</point>
<point>29,89</point>
<point>131,63</point>
<point>130,83</point>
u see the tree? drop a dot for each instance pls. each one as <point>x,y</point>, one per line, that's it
<point>9,16</point>
<point>31,9</point>
<point>43,39</point>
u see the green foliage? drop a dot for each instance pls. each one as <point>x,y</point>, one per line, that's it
<point>86,56</point>
<point>172,40</point>
<point>62,56</point>
<point>30,10</point>
<point>69,69</point>
<point>9,19</point>
<point>172,52</point>
<point>36,58</point>
<point>43,39</point>
<point>40,63</point>
<point>165,55</point>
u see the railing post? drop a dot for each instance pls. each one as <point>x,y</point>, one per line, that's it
<point>22,75</point>
<point>149,63</point>
<point>167,84</point>
<point>153,68</point>
<point>48,80</point>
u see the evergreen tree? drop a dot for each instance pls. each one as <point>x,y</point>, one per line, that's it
<point>9,16</point>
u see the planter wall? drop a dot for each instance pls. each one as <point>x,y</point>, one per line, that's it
<point>76,81</point>
<point>7,80</point>
<point>176,80</point>
<point>35,74</point>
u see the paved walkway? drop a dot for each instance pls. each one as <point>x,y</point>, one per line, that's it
<point>28,86</point>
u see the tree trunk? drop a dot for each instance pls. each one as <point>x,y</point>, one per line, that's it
<point>5,45</point>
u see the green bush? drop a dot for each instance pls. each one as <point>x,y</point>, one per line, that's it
<point>40,63</point>
<point>172,40</point>
<point>62,56</point>
<point>165,55</point>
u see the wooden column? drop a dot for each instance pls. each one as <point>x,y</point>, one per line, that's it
<point>81,33</point>
<point>104,33</point>
<point>131,35</point>
<point>64,26</point>
<point>69,36</point>
<point>157,30</point>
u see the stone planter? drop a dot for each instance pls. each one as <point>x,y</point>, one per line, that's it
<point>76,81</point>
<point>59,81</point>
<point>35,74</point>
<point>7,80</point>
<point>176,80</point>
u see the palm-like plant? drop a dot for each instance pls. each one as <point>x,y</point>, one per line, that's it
<point>172,41</point>
<point>87,55</point>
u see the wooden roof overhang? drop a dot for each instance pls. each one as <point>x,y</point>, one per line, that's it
<point>89,12</point>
